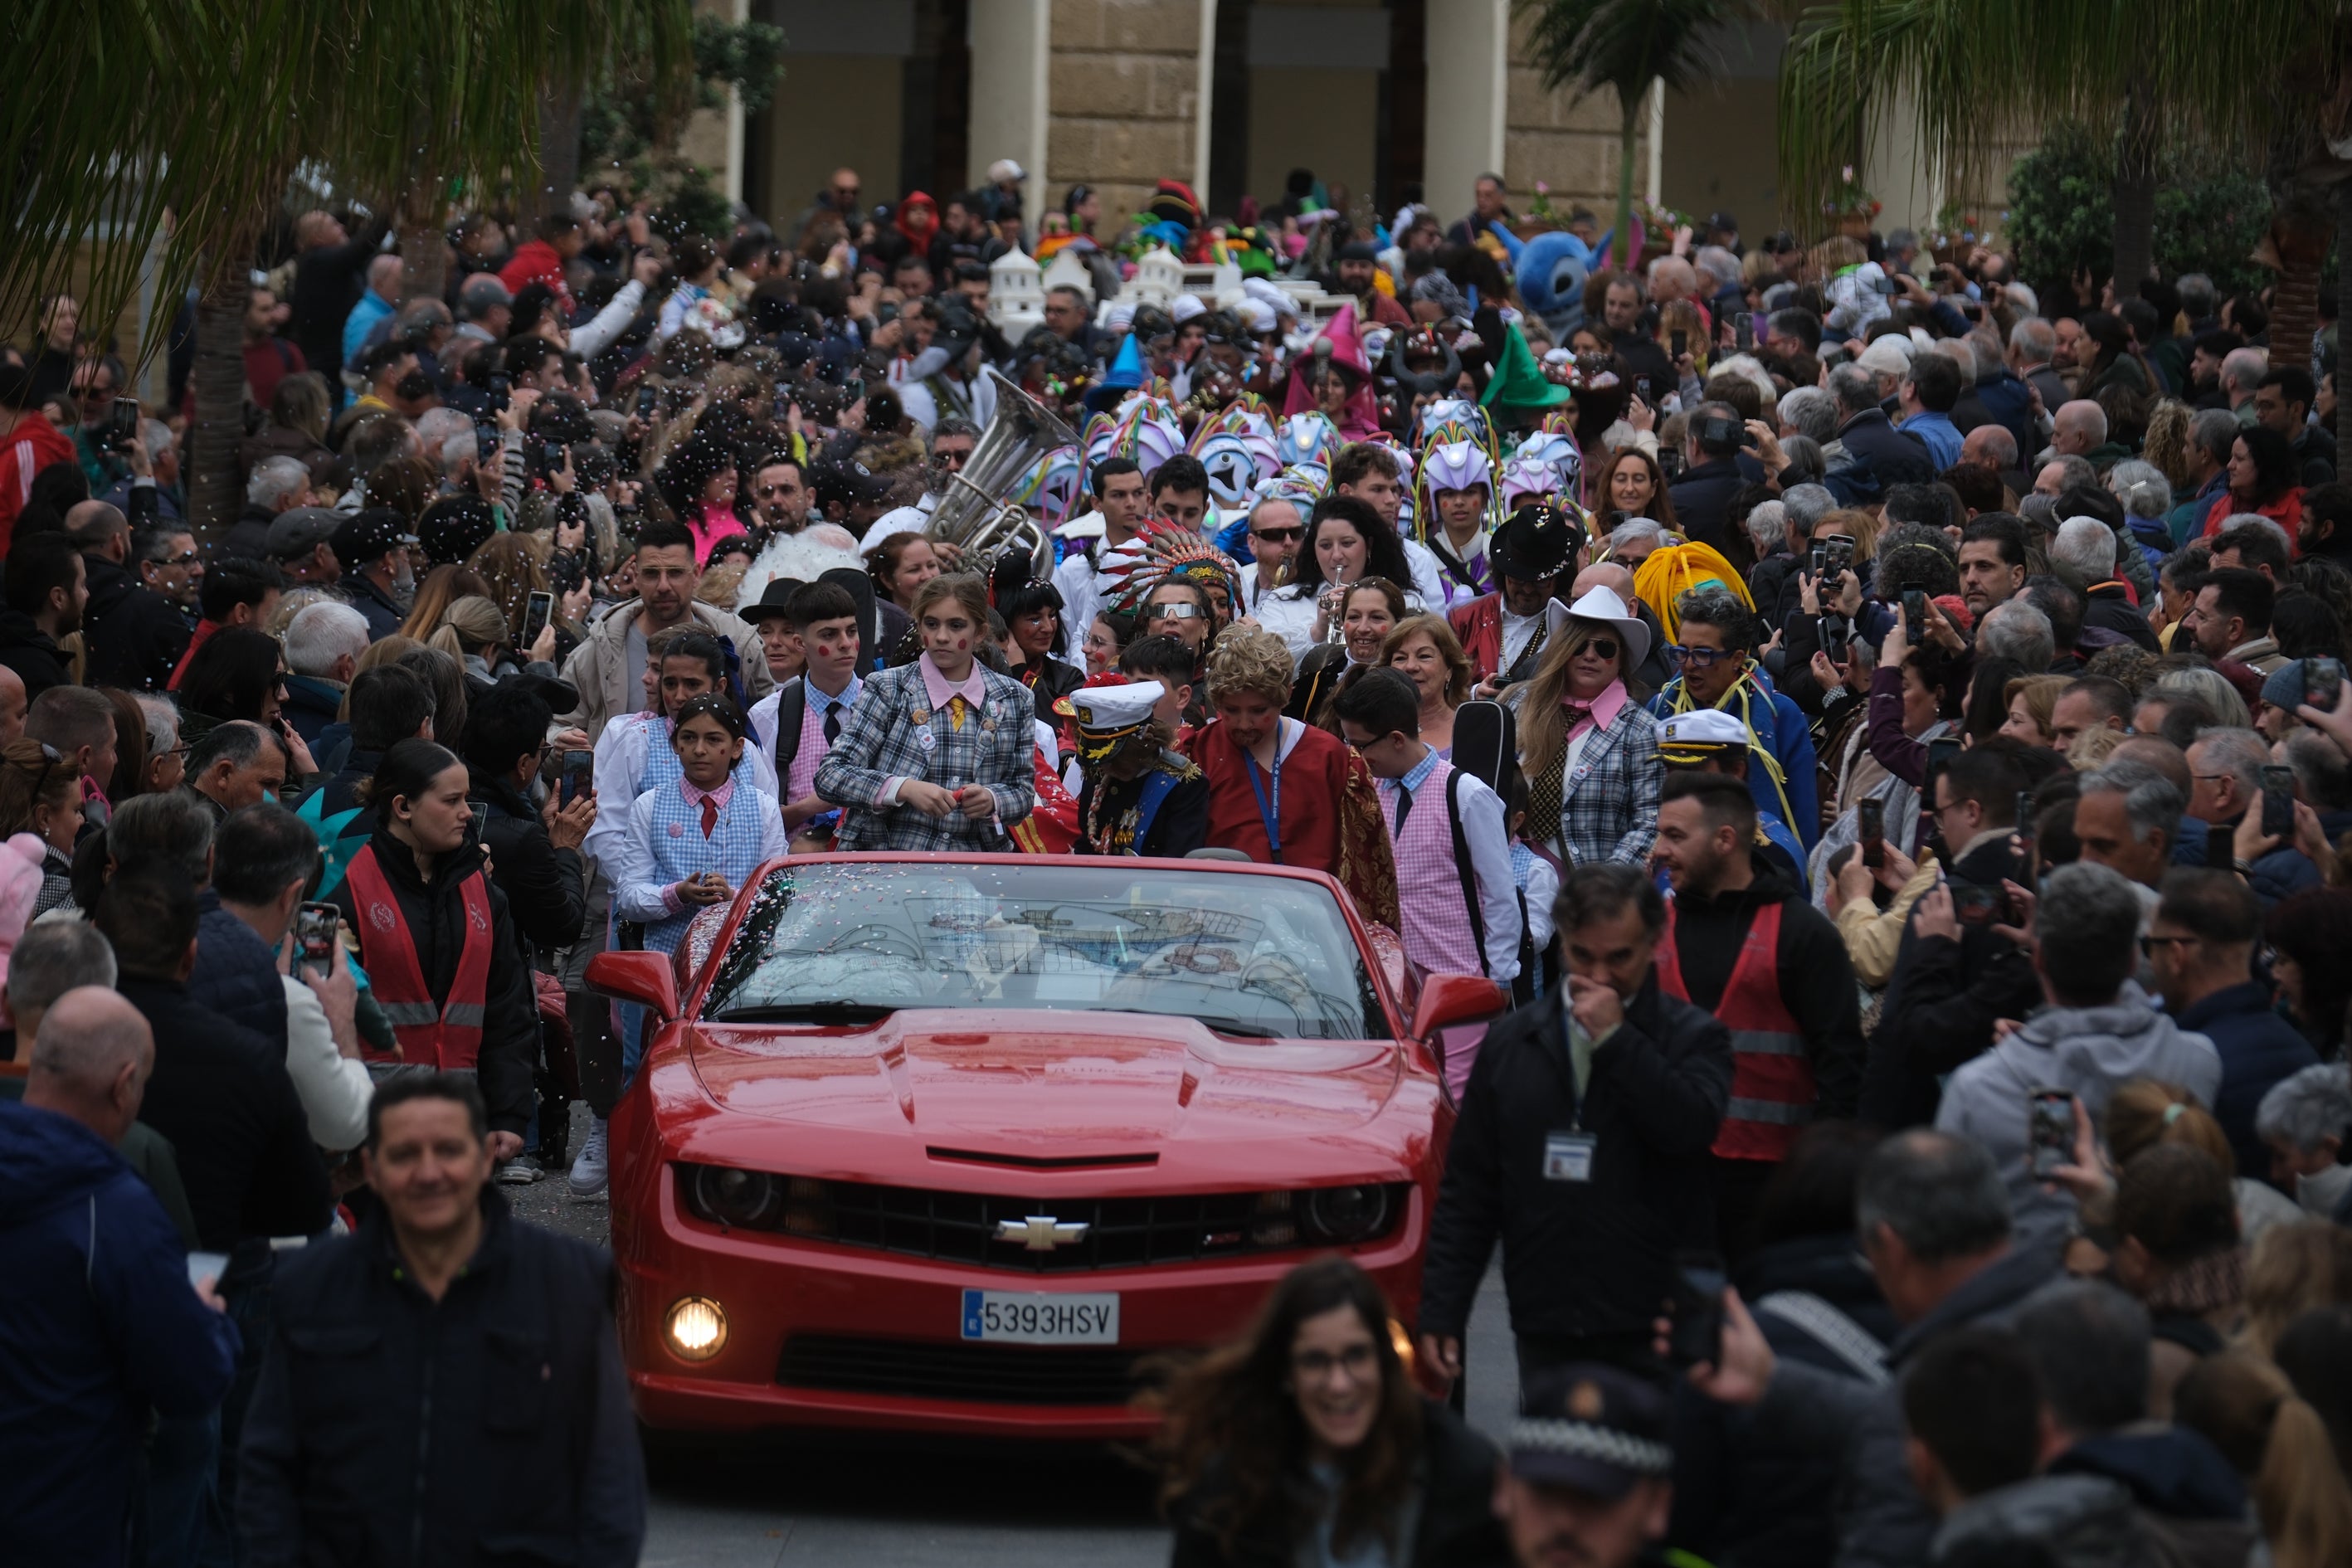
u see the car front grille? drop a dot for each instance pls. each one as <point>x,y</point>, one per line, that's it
<point>984,1374</point>
<point>972,1228</point>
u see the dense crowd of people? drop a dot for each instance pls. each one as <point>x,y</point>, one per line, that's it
<point>1881,721</point>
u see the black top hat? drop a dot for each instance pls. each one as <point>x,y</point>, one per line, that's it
<point>769,604</point>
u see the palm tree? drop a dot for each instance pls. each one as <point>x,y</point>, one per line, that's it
<point>1627,45</point>
<point>209,110</point>
<point>1977,76</point>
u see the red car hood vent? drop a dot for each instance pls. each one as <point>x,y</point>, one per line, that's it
<point>1034,1088</point>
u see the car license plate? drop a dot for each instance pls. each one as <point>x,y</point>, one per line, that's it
<point>1041,1318</point>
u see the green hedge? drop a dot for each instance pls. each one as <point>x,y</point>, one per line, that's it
<point>2061,215</point>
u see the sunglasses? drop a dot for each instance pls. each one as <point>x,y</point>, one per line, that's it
<point>1278,535</point>
<point>1175,612</point>
<point>1603,648</point>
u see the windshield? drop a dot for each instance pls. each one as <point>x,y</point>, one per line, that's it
<point>1256,956</point>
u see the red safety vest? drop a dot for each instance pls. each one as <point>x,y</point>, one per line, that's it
<point>1772,1091</point>
<point>445,1033</point>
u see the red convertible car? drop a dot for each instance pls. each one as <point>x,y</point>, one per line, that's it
<point>955,1144</point>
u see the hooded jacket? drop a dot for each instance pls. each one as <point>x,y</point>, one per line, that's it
<point>2083,1522</point>
<point>2091,1051</point>
<point>98,1326</point>
<point>2190,1501</point>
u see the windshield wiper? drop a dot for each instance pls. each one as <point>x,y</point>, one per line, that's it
<point>808,1012</point>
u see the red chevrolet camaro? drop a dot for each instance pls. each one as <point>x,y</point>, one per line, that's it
<point>955,1144</point>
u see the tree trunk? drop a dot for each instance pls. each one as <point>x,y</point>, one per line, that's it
<point>2299,236</point>
<point>424,248</point>
<point>2135,198</point>
<point>558,147</point>
<point>215,490</point>
<point>1623,252</point>
<point>2343,292</point>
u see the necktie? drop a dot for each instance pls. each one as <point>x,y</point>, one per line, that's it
<point>1575,713</point>
<point>1404,804</point>
<point>710,816</point>
<point>832,722</point>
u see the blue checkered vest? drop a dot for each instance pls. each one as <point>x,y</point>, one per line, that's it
<point>679,850</point>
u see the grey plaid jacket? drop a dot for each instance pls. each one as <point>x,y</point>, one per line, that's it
<point>881,742</point>
<point>1609,802</point>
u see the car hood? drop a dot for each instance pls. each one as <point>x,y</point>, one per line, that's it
<point>1062,1087</point>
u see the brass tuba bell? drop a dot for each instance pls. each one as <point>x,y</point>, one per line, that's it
<point>975,515</point>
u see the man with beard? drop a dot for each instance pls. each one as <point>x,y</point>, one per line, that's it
<point>1503,632</point>
<point>45,592</point>
<point>1354,276</point>
<point>1744,942</point>
<point>2326,531</point>
<point>376,580</point>
<point>780,494</point>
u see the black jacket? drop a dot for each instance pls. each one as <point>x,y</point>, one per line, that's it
<point>327,284</point>
<point>247,538</point>
<point>1942,1000</point>
<point>435,915</point>
<point>491,1428</point>
<point>28,650</point>
<point>1702,499</point>
<point>1739,1503</point>
<point>545,887</point>
<point>1816,976</point>
<point>383,614</point>
<point>1581,1257</point>
<point>2108,606</point>
<point>135,637</point>
<point>1456,1527</point>
<point>221,1095</point>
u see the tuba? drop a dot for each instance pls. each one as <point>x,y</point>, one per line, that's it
<point>974,515</point>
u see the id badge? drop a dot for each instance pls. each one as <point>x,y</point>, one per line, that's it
<point>1568,1156</point>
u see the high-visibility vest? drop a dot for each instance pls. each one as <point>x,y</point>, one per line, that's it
<point>446,1032</point>
<point>1772,1089</point>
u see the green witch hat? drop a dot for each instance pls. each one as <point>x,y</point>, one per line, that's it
<point>1519,385</point>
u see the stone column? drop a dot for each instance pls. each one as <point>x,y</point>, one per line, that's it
<point>1011,50</point>
<point>1468,64</point>
<point>1125,92</point>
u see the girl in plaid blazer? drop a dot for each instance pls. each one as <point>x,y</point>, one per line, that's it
<point>1589,750</point>
<point>937,755</point>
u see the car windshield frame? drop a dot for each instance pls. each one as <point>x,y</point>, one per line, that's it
<point>851,939</point>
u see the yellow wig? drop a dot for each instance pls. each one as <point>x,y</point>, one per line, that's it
<point>1673,570</point>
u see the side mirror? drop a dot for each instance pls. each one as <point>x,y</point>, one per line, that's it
<point>1444,1000</point>
<point>636,977</point>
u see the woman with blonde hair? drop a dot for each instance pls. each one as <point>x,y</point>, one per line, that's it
<point>1589,748</point>
<point>384,650</point>
<point>474,632</point>
<point>440,587</point>
<point>513,567</point>
<point>1426,648</point>
<point>2293,1269</point>
<point>2278,1443</point>
<point>2031,700</point>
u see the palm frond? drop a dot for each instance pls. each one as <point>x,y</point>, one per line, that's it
<point>1624,44</point>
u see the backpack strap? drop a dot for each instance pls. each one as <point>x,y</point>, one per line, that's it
<point>1462,864</point>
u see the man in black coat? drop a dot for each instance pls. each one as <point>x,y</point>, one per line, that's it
<point>47,591</point>
<point>1954,974</point>
<point>326,283</point>
<point>444,1386</point>
<point>135,637</point>
<point>534,849</point>
<point>1582,1144</point>
<point>1702,497</point>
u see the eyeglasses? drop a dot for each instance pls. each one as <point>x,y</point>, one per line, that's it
<point>1603,648</point>
<point>1700,657</point>
<point>947,457</point>
<point>1359,1362</point>
<point>1278,535</point>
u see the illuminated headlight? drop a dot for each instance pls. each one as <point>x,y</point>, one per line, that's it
<point>1345,1214</point>
<point>696,1328</point>
<point>739,1199</point>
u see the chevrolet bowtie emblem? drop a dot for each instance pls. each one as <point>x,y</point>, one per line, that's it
<point>1039,1233</point>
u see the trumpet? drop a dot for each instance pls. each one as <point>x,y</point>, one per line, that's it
<point>975,515</point>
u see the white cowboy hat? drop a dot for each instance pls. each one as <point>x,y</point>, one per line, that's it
<point>1601,604</point>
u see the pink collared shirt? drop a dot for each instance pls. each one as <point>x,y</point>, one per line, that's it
<point>695,797</point>
<point>1602,711</point>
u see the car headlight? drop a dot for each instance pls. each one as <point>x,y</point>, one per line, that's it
<point>1345,1214</point>
<point>739,1199</point>
<point>696,1328</point>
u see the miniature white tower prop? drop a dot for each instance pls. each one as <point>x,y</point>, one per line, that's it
<point>1159,278</point>
<point>1066,271</point>
<point>1016,294</point>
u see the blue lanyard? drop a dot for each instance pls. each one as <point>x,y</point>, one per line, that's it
<point>1269,815</point>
